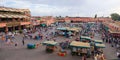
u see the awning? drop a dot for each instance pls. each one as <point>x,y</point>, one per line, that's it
<point>69,29</point>
<point>85,37</point>
<point>79,44</point>
<point>62,28</point>
<point>49,43</point>
<point>98,41</point>
<point>100,45</point>
<point>73,29</point>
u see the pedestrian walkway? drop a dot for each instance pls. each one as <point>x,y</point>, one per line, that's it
<point>110,52</point>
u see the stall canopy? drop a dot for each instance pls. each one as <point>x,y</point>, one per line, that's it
<point>85,37</point>
<point>63,28</point>
<point>73,29</point>
<point>69,29</point>
<point>98,41</point>
<point>49,43</point>
<point>79,44</point>
<point>69,32</point>
<point>100,45</point>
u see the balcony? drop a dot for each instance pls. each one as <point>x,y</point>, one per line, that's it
<point>10,24</point>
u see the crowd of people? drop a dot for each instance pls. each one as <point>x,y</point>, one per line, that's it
<point>114,42</point>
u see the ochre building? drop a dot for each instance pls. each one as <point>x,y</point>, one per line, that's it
<point>12,19</point>
<point>84,19</point>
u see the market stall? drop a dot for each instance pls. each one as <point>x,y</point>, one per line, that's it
<point>50,46</point>
<point>85,38</point>
<point>80,48</point>
<point>62,31</point>
<point>99,51</point>
<point>98,41</point>
<point>97,45</point>
<point>68,31</point>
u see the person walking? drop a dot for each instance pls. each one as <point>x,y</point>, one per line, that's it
<point>16,44</point>
<point>23,42</point>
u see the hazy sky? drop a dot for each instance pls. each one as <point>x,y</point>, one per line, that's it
<point>86,8</point>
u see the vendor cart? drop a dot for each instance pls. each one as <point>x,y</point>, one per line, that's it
<point>50,46</point>
<point>31,46</point>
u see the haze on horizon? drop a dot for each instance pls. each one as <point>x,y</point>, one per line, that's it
<point>84,8</point>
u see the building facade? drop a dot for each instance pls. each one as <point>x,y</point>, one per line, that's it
<point>113,28</point>
<point>12,19</point>
<point>35,20</point>
<point>83,19</point>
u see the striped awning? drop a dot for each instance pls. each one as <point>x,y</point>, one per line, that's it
<point>79,44</point>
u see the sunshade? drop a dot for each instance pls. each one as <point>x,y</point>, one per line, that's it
<point>98,41</point>
<point>79,44</point>
<point>100,45</point>
<point>69,32</point>
<point>63,28</point>
<point>49,43</point>
<point>85,37</point>
<point>73,29</point>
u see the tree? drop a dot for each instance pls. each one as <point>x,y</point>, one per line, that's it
<point>95,16</point>
<point>115,16</point>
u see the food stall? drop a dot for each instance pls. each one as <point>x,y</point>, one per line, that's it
<point>99,51</point>
<point>79,48</point>
<point>74,30</point>
<point>97,45</point>
<point>85,38</point>
<point>50,46</point>
<point>62,31</point>
<point>98,48</point>
<point>98,41</point>
<point>68,31</point>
